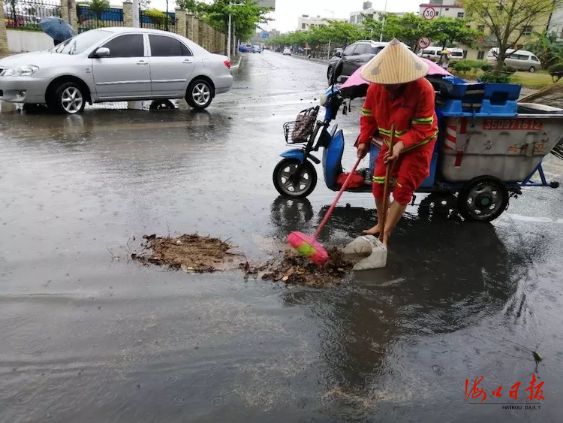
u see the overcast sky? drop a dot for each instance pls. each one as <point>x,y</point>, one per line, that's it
<point>288,11</point>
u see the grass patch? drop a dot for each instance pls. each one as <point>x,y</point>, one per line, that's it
<point>536,80</point>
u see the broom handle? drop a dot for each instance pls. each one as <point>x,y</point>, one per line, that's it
<point>333,205</point>
<point>386,185</point>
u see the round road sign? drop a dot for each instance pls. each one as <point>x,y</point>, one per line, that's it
<point>424,42</point>
<point>429,13</point>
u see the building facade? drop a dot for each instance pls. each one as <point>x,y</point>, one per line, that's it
<point>306,22</point>
<point>555,24</point>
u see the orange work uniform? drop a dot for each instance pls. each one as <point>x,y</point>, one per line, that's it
<point>416,125</point>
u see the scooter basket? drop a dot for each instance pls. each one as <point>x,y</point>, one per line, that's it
<point>302,127</point>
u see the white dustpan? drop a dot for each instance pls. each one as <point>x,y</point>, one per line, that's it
<point>368,246</point>
<point>372,250</point>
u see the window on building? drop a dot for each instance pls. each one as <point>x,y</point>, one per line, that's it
<point>480,55</point>
<point>303,26</point>
<point>437,13</point>
<point>460,14</point>
<point>527,30</point>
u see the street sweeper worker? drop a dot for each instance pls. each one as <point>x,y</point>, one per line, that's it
<point>399,98</point>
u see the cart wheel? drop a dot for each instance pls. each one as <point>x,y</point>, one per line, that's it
<point>289,184</point>
<point>483,199</point>
<point>554,184</point>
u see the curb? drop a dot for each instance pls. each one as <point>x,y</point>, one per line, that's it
<point>237,66</point>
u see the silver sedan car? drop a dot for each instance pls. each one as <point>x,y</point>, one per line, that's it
<point>115,64</point>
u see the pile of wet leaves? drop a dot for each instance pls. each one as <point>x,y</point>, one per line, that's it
<point>298,270</point>
<point>188,252</point>
<point>194,253</point>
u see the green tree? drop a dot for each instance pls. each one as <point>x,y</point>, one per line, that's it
<point>98,7</point>
<point>156,16</point>
<point>447,31</point>
<point>508,20</point>
<point>546,48</point>
<point>408,28</point>
<point>245,14</point>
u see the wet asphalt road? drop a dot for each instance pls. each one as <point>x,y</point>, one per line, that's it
<point>86,335</point>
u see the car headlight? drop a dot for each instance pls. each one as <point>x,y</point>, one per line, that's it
<point>26,70</point>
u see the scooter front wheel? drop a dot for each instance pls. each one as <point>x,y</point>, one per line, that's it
<point>290,184</point>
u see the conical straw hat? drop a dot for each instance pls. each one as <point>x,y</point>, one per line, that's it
<point>395,64</point>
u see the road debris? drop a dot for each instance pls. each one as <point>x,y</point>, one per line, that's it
<point>194,253</point>
<point>188,252</point>
<point>295,269</point>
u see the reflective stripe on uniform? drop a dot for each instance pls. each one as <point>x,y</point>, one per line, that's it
<point>421,143</point>
<point>365,112</point>
<point>423,121</point>
<point>381,180</point>
<point>384,131</point>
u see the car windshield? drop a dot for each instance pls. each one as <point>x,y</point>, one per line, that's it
<point>82,42</point>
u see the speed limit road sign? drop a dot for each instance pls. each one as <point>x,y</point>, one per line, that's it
<point>429,13</point>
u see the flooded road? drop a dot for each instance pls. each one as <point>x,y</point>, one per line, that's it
<point>87,335</point>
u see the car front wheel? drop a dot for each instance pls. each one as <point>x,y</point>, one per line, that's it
<point>532,69</point>
<point>199,94</point>
<point>67,97</point>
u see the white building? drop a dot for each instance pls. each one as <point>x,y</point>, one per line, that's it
<point>267,3</point>
<point>306,22</point>
<point>437,8</point>
<point>368,11</point>
<point>556,23</point>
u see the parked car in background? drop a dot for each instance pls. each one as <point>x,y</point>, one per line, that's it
<point>115,64</point>
<point>256,49</point>
<point>455,54</point>
<point>245,48</point>
<point>518,59</point>
<point>353,56</point>
<point>286,51</point>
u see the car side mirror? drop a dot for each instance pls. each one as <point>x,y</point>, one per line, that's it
<point>101,52</point>
<point>338,54</point>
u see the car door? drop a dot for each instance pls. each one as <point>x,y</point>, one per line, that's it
<point>348,60</point>
<point>171,65</point>
<point>125,73</point>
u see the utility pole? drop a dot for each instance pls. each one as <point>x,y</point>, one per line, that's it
<point>229,38</point>
<point>166,17</point>
<point>383,25</point>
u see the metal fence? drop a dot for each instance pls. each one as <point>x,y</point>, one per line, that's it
<point>90,19</point>
<point>162,20</point>
<point>26,14</point>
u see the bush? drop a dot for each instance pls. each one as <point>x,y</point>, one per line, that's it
<point>461,66</point>
<point>494,76</point>
<point>156,16</point>
<point>487,67</point>
<point>468,65</point>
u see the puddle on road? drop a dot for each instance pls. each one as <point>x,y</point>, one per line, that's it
<point>194,253</point>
